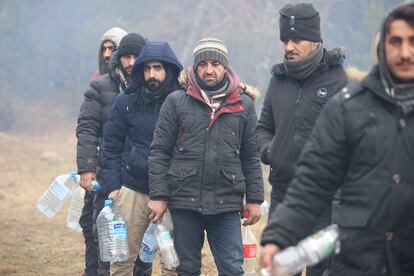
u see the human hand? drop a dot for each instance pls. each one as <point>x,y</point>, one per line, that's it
<point>86,180</point>
<point>253,209</point>
<point>114,194</point>
<point>268,253</point>
<point>158,208</point>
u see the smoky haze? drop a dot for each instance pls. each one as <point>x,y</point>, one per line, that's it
<point>49,48</point>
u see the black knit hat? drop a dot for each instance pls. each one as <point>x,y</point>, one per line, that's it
<point>300,21</point>
<point>131,44</point>
<point>210,48</point>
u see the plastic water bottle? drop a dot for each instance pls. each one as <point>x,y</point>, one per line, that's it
<point>167,220</point>
<point>309,251</point>
<point>249,249</point>
<point>77,202</point>
<point>264,208</point>
<point>149,246</point>
<point>166,245</point>
<point>112,234</point>
<point>55,196</point>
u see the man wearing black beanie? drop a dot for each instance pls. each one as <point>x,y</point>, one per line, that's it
<point>299,88</point>
<point>92,118</point>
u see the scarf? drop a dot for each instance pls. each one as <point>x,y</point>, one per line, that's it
<point>302,69</point>
<point>219,88</point>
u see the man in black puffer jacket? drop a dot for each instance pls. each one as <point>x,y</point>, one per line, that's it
<point>363,143</point>
<point>204,161</point>
<point>127,138</point>
<point>298,90</point>
<point>93,115</point>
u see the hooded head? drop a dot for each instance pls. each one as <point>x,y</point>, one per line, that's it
<point>396,56</point>
<point>395,48</point>
<point>157,51</point>
<point>113,36</point>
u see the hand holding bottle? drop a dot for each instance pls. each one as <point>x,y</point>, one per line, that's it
<point>254,213</point>
<point>86,179</point>
<point>158,208</point>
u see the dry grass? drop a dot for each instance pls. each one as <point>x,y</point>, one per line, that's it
<point>31,244</point>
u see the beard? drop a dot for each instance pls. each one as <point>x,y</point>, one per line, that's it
<point>153,84</point>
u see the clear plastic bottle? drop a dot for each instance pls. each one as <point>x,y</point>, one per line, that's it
<point>55,196</point>
<point>166,245</point>
<point>149,246</point>
<point>249,249</point>
<point>264,208</point>
<point>112,234</point>
<point>309,251</point>
<point>77,202</point>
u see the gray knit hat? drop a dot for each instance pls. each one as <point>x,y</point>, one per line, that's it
<point>210,48</point>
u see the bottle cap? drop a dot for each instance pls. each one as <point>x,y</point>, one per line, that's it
<point>108,202</point>
<point>96,186</point>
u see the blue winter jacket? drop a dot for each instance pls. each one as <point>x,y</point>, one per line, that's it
<point>129,130</point>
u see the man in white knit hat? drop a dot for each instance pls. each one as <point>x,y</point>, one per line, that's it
<point>204,161</point>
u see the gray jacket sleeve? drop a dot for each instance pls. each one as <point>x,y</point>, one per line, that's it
<point>320,172</point>
<point>88,131</point>
<point>162,146</point>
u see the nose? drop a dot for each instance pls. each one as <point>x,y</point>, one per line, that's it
<point>209,68</point>
<point>406,50</point>
<point>289,45</point>
<point>151,73</point>
<point>132,60</point>
<point>107,52</point>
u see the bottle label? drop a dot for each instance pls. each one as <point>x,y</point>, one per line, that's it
<point>249,250</point>
<point>59,190</point>
<point>120,231</point>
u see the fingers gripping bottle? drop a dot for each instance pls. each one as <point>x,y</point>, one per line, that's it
<point>55,196</point>
<point>77,202</point>
<point>166,245</point>
<point>309,251</point>
<point>249,249</point>
<point>112,234</point>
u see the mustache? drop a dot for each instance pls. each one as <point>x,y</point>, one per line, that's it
<point>153,80</point>
<point>405,61</point>
<point>106,59</point>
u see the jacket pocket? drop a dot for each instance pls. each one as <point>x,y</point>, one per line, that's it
<point>231,186</point>
<point>137,162</point>
<point>183,181</point>
<point>346,216</point>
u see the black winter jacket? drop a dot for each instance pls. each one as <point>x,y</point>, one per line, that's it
<point>93,115</point>
<point>128,133</point>
<point>289,113</point>
<point>202,161</point>
<point>362,144</point>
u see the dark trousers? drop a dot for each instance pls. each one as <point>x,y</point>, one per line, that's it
<point>91,246</point>
<point>223,235</point>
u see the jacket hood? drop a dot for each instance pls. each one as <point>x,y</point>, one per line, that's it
<point>114,35</point>
<point>331,58</point>
<point>374,84</point>
<point>155,51</point>
<point>252,92</point>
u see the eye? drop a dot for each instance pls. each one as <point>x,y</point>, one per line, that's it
<point>395,41</point>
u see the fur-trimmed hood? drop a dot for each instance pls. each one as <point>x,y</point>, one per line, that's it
<point>252,92</point>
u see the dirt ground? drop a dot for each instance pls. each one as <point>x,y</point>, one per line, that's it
<point>30,243</point>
